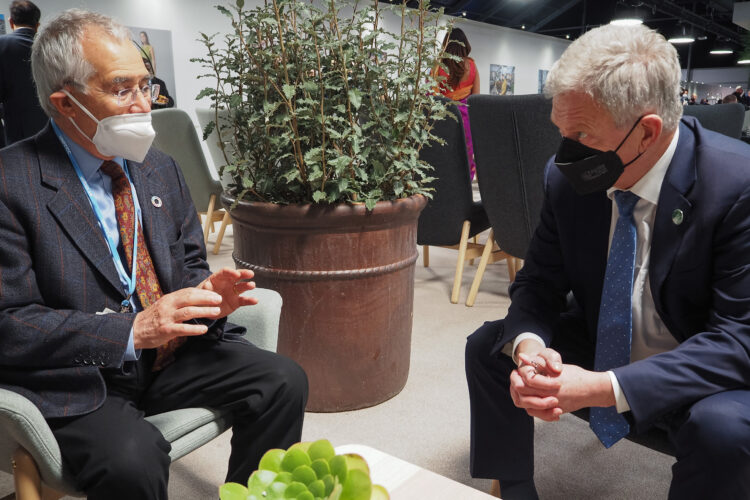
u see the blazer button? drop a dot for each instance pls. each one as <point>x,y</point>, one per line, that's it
<point>86,362</point>
<point>77,361</point>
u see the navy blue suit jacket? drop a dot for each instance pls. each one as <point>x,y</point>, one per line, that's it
<point>23,115</point>
<point>56,272</point>
<point>699,273</point>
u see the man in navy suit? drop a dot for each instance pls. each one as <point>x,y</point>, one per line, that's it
<point>681,301</point>
<point>23,115</point>
<point>76,337</point>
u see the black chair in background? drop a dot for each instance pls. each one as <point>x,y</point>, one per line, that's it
<point>451,217</point>
<point>725,119</point>
<point>513,139</point>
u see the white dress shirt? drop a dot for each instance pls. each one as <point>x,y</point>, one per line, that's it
<point>649,335</point>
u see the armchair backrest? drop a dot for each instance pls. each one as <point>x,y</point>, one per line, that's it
<point>725,119</point>
<point>513,140</point>
<point>441,220</point>
<point>176,136</point>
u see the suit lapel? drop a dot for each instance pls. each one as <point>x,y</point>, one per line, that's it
<point>71,207</point>
<point>150,189</point>
<point>673,213</point>
<point>592,243</point>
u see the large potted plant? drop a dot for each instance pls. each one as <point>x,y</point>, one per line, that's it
<point>321,113</point>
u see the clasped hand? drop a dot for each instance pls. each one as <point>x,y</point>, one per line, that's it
<point>215,297</point>
<point>546,388</point>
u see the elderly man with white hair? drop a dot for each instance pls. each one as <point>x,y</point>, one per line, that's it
<point>108,310</point>
<point>634,300</point>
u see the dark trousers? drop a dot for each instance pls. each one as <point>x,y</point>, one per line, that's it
<point>712,437</point>
<point>113,453</point>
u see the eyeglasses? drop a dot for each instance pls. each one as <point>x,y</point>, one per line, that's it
<point>126,97</point>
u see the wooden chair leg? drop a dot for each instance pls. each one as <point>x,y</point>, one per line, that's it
<point>224,223</point>
<point>460,262</point>
<point>27,481</point>
<point>209,217</point>
<point>426,255</point>
<point>488,246</point>
<point>475,240</point>
<point>26,477</point>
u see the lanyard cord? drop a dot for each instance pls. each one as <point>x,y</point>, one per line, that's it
<point>129,280</point>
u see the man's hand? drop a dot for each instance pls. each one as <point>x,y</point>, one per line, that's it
<point>214,298</point>
<point>166,318</point>
<point>230,284</point>
<point>546,388</point>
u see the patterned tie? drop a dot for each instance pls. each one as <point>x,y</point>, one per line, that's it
<point>615,316</point>
<point>146,283</point>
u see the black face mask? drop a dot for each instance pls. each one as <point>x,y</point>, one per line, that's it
<point>591,170</point>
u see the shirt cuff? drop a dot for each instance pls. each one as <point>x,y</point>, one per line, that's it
<point>621,402</point>
<point>510,349</point>
<point>131,354</point>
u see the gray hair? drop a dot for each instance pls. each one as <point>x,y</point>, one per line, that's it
<point>628,70</point>
<point>57,56</point>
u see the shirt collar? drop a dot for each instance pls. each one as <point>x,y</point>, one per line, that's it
<point>88,163</point>
<point>649,186</point>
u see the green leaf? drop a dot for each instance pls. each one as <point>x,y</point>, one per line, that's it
<point>355,97</point>
<point>289,90</point>
<point>318,195</point>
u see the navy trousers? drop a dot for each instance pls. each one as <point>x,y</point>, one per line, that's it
<point>711,437</point>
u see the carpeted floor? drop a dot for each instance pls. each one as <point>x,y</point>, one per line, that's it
<point>428,422</point>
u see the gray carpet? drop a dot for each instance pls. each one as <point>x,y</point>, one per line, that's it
<point>428,422</point>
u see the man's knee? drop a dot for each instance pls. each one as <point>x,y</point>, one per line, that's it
<point>717,428</point>
<point>135,465</point>
<point>480,343</point>
<point>291,379</point>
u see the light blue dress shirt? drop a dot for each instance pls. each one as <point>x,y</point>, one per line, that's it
<point>100,186</point>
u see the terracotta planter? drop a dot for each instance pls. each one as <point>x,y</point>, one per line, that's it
<point>347,280</point>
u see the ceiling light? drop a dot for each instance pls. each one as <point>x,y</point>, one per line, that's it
<point>627,16</point>
<point>681,36</point>
<point>718,52</point>
<point>626,21</point>
<point>743,61</point>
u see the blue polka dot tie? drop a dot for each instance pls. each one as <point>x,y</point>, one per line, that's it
<point>615,316</point>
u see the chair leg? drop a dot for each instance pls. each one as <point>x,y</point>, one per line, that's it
<point>224,223</point>
<point>209,217</point>
<point>460,262</point>
<point>26,477</point>
<point>426,255</point>
<point>488,246</point>
<point>475,240</point>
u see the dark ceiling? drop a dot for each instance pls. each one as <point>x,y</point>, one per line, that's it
<point>710,20</point>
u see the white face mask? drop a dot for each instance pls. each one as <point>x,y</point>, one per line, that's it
<point>127,135</point>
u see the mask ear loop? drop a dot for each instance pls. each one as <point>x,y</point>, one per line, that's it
<point>83,108</point>
<point>626,138</point>
<point>629,132</point>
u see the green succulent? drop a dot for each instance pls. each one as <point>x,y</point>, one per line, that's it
<point>307,471</point>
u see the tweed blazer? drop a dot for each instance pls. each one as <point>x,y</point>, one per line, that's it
<point>699,273</point>
<point>56,271</point>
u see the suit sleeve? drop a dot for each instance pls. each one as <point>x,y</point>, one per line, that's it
<point>34,334</point>
<point>712,360</point>
<point>538,294</point>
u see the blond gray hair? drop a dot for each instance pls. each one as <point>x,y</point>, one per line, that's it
<point>57,58</point>
<point>628,70</point>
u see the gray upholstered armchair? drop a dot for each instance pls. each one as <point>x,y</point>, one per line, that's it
<point>29,451</point>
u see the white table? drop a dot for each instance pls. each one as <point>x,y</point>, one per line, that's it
<point>406,481</point>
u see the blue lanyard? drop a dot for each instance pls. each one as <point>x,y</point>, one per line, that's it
<point>130,280</point>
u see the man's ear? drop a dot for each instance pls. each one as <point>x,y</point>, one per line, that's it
<point>12,24</point>
<point>63,104</point>
<point>651,125</point>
